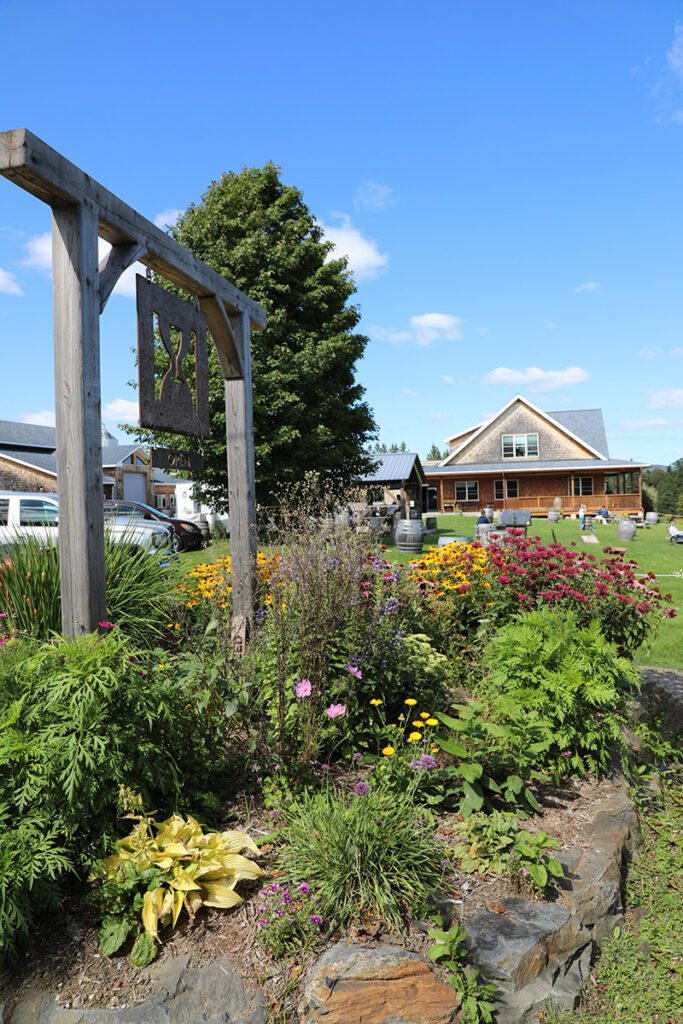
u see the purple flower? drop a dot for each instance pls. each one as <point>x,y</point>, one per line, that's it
<point>335,711</point>
<point>275,887</point>
<point>524,872</point>
<point>303,688</point>
<point>426,763</point>
<point>357,756</point>
<point>262,923</point>
<point>304,888</point>
<point>3,615</point>
<point>315,919</point>
<point>362,789</point>
<point>354,671</point>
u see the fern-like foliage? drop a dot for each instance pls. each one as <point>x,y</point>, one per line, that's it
<point>572,676</point>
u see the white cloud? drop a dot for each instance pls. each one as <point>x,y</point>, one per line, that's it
<point>123,410</point>
<point>391,335</point>
<point>667,398</point>
<point>587,286</point>
<point>674,55</point>
<point>447,379</point>
<point>371,196</point>
<point>9,284</point>
<point>167,218</point>
<point>364,256</point>
<point>41,419</point>
<point>650,352</point>
<point>643,424</point>
<point>536,379</point>
<point>38,252</point>
<point>676,352</point>
<point>431,327</point>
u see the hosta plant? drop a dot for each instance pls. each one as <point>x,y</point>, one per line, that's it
<point>163,868</point>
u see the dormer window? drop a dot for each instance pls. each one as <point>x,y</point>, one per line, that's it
<point>520,446</point>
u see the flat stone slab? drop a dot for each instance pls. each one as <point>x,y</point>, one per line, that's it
<point>211,994</point>
<point>379,984</point>
<point>662,691</point>
<point>538,953</point>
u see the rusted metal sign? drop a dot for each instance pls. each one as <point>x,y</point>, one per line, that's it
<point>178,408</point>
<point>169,458</point>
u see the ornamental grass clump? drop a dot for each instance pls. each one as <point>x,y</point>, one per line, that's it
<point>366,857</point>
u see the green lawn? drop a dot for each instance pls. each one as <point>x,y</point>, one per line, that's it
<point>651,549</point>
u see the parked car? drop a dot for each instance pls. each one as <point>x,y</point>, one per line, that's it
<point>37,515</point>
<point>187,536</point>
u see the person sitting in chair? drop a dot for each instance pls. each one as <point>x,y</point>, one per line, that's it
<point>675,535</point>
<point>483,519</point>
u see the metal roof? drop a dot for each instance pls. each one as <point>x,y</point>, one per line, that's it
<point>394,466</point>
<point>113,454</point>
<point>513,467</point>
<point>26,435</point>
<point>41,460</point>
<point>587,424</point>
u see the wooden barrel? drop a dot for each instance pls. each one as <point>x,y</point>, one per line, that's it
<point>376,526</point>
<point>553,516</point>
<point>431,523</point>
<point>651,518</point>
<point>626,530</point>
<point>409,535</point>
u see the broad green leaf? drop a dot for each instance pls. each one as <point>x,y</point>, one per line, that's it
<point>144,950</point>
<point>113,934</point>
<point>539,874</point>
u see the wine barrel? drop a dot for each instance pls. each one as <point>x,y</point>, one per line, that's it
<point>409,533</point>
<point>651,518</point>
<point>626,530</point>
<point>431,523</point>
<point>553,516</point>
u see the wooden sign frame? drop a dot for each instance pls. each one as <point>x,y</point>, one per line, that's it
<point>82,210</point>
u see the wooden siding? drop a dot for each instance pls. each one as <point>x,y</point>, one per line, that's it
<point>15,477</point>
<point>553,443</point>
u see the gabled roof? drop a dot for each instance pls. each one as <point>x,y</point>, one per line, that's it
<point>26,435</point>
<point>45,461</point>
<point>114,454</point>
<point>586,424</point>
<point>549,417</point>
<point>394,466</point>
<point>512,469</point>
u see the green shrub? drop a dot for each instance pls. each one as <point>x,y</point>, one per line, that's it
<point>364,856</point>
<point>140,590</point>
<point>570,675</point>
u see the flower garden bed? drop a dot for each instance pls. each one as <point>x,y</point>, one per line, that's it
<point>422,755</point>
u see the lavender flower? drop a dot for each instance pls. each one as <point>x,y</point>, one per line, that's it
<point>362,789</point>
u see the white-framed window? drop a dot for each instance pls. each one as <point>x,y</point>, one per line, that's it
<point>581,486</point>
<point>467,490</point>
<point>520,446</point>
<point>512,488</point>
<point>498,490</point>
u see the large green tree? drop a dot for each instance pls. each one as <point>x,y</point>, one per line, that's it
<point>309,413</point>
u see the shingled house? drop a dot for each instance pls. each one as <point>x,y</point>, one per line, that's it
<point>525,458</point>
<point>28,462</point>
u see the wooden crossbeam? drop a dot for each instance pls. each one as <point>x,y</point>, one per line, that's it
<point>31,163</point>
<point>118,259</point>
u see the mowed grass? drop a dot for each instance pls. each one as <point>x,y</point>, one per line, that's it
<point>650,549</point>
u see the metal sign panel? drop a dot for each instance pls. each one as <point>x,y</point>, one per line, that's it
<point>178,408</point>
<point>169,458</point>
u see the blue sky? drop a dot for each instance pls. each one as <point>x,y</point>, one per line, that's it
<point>506,179</point>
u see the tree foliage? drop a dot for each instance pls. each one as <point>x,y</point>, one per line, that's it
<point>670,490</point>
<point>435,454</point>
<point>309,413</point>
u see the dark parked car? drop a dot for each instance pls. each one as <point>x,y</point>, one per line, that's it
<point>186,535</point>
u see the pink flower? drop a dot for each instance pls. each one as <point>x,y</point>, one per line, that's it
<point>335,711</point>
<point>670,613</point>
<point>106,625</point>
<point>354,671</point>
<point>303,688</point>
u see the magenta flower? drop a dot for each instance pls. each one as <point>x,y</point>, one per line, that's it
<point>354,671</point>
<point>304,888</point>
<point>335,711</point>
<point>303,688</point>
<point>315,919</point>
<point>106,625</point>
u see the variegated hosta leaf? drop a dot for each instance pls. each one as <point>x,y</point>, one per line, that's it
<point>220,895</point>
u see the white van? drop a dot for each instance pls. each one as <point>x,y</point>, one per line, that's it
<point>37,515</point>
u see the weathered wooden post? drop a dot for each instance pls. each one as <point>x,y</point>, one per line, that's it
<point>77,406</point>
<point>82,210</point>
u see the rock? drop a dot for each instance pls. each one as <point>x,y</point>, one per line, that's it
<point>379,984</point>
<point>662,692</point>
<point>211,994</point>
<point>538,953</point>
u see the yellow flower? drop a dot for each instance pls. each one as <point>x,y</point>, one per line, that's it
<point>162,666</point>
<point>432,721</point>
<point>415,737</point>
<point>418,724</point>
<point>376,702</point>
<point>388,751</point>
<point>410,702</point>
<point>435,750</point>
<point>424,714</point>
<point>268,599</point>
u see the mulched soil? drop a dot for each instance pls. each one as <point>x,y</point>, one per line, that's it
<point>64,957</point>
